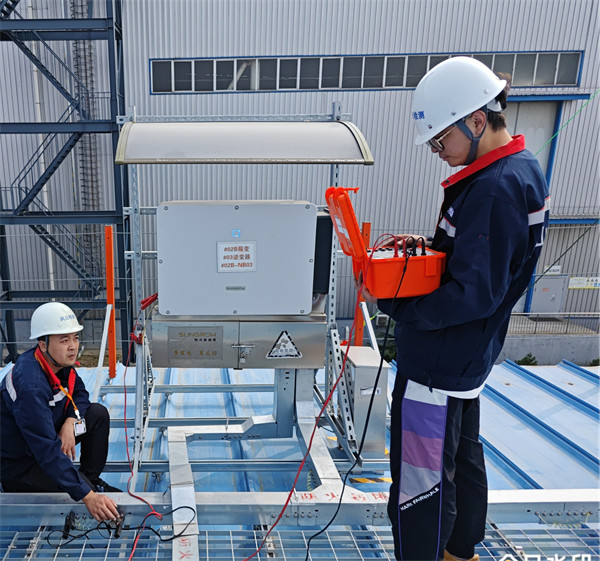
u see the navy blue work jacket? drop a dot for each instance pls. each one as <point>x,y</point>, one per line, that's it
<point>492,227</point>
<point>31,414</point>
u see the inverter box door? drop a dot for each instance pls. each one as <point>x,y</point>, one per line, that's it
<point>224,258</point>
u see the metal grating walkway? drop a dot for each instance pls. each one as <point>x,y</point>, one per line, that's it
<point>541,543</point>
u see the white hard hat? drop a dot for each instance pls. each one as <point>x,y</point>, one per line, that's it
<point>53,318</point>
<point>450,91</point>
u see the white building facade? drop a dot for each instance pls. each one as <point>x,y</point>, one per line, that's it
<point>270,58</point>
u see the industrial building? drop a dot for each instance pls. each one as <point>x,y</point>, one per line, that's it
<point>136,113</point>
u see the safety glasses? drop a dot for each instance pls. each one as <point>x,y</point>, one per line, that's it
<point>436,141</point>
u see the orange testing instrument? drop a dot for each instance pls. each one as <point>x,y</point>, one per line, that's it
<point>395,269</point>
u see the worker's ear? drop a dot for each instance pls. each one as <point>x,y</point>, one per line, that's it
<point>42,345</point>
<point>478,119</point>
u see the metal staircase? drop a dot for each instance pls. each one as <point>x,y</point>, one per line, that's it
<point>32,193</point>
<point>80,259</point>
<point>87,267</point>
<point>65,255</point>
<point>7,7</point>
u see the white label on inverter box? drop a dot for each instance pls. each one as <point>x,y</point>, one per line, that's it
<point>236,257</point>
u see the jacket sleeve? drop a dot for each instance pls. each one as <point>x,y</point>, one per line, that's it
<point>489,247</point>
<point>34,418</point>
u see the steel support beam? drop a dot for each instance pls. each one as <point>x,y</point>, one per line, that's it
<point>245,465</point>
<point>305,509</point>
<point>195,388</point>
<point>185,519</point>
<point>64,128</point>
<point>55,24</point>
<point>51,35</point>
<point>43,295</point>
<point>60,217</point>
<point>33,304</point>
<point>311,436</point>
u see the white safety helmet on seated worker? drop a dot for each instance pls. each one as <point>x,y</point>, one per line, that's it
<point>53,318</point>
<point>450,91</point>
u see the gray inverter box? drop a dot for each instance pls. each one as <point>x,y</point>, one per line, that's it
<point>223,258</point>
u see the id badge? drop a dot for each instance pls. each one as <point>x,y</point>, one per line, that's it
<point>79,427</point>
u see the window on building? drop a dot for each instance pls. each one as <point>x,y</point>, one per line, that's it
<point>488,60</point>
<point>183,75</point>
<point>309,73</point>
<point>524,69</point>
<point>394,72</point>
<point>434,60</point>
<point>546,69</point>
<point>568,68</point>
<point>268,73</point>
<point>373,75</point>
<point>244,74</point>
<point>416,68</point>
<point>224,75</point>
<point>504,63</point>
<point>161,76</point>
<point>330,73</point>
<point>351,72</point>
<point>288,74</point>
<point>203,76</point>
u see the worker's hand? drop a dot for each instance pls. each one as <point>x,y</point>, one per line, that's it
<point>358,283</point>
<point>100,506</point>
<point>67,438</point>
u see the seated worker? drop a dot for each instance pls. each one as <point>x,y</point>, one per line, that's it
<point>45,412</point>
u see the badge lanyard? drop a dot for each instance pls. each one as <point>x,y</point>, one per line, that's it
<point>55,382</point>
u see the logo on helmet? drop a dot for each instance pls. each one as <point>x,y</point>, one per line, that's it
<point>418,115</point>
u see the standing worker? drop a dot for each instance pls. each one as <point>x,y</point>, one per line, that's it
<point>45,412</point>
<point>491,227</point>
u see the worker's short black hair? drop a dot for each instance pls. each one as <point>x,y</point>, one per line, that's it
<point>496,119</point>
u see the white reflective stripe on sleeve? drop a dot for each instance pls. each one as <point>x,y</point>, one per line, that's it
<point>537,217</point>
<point>10,388</point>
<point>57,397</point>
<point>450,230</point>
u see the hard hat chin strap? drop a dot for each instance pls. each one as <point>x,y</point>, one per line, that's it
<point>47,341</point>
<point>462,125</point>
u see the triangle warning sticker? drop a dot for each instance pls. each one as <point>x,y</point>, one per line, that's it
<point>284,347</point>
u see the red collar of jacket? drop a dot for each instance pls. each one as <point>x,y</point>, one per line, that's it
<point>517,144</point>
<point>52,377</point>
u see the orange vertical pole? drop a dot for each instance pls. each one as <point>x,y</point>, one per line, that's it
<point>110,299</point>
<point>359,328</point>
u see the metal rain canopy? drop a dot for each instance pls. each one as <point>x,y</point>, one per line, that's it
<point>249,142</point>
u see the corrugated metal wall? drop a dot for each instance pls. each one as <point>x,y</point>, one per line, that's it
<point>401,191</point>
